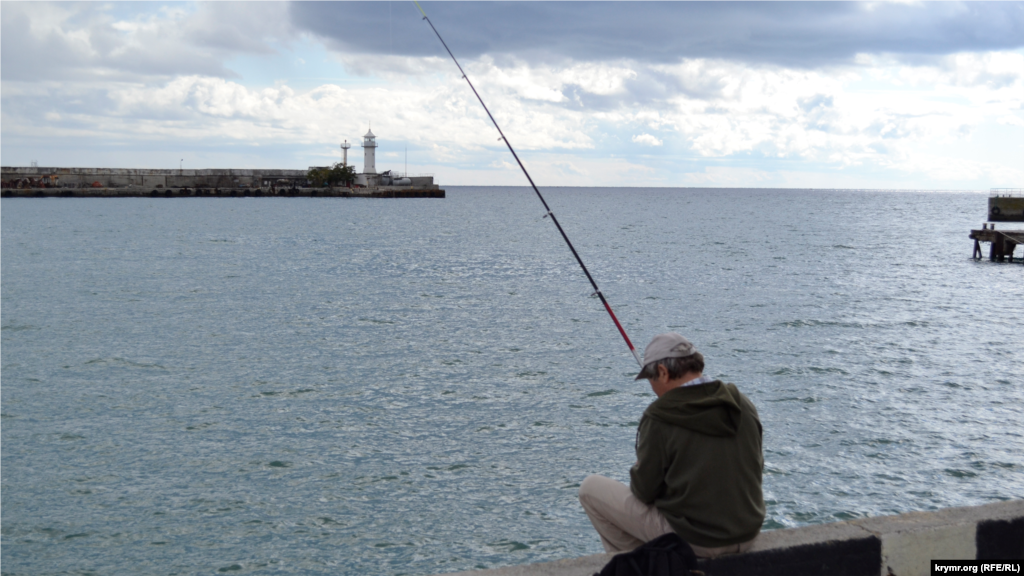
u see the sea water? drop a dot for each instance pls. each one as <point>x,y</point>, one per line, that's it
<point>418,386</point>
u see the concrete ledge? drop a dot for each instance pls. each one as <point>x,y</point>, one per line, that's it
<point>902,545</point>
<point>585,566</point>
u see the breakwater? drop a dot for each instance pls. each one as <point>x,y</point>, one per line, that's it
<point>131,182</point>
<point>901,545</point>
<point>131,192</point>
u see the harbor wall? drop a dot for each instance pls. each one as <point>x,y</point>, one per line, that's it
<point>144,178</point>
<point>150,178</point>
<point>902,545</point>
<point>137,192</point>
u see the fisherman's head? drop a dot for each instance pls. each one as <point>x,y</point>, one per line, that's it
<point>674,354</point>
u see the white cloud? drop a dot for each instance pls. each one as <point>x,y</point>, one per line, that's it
<point>772,113</point>
<point>959,170</point>
<point>570,169</point>
<point>646,140</point>
<point>873,6</point>
<point>89,41</point>
<point>111,83</point>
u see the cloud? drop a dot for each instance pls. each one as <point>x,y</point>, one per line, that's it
<point>445,119</point>
<point>88,41</point>
<point>957,170</point>
<point>753,111</point>
<point>605,93</point>
<point>646,140</point>
<point>794,34</point>
<point>569,169</point>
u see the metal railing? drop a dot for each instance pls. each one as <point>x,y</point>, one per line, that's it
<point>1006,192</point>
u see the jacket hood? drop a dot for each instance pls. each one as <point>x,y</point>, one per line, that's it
<point>712,409</point>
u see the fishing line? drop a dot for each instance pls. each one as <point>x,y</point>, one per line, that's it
<point>597,291</point>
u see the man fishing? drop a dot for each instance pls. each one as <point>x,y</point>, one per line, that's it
<point>698,447</point>
<point>699,462</point>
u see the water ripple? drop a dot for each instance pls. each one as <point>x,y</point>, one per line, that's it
<point>326,386</point>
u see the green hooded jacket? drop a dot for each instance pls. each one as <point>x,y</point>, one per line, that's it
<point>699,461</point>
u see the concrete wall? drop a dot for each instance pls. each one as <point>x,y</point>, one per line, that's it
<point>367,180</point>
<point>1006,209</point>
<point>901,545</point>
<point>148,181</point>
<point>153,178</point>
<point>373,181</point>
<point>137,192</point>
<point>422,181</point>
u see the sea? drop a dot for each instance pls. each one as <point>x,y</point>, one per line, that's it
<point>418,386</point>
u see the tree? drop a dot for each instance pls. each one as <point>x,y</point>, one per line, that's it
<point>317,176</point>
<point>342,174</point>
<point>336,174</point>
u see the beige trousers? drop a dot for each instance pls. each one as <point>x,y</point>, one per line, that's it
<point>624,523</point>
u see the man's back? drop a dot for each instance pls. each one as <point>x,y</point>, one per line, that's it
<point>699,461</point>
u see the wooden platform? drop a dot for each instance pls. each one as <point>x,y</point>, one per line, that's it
<point>1003,243</point>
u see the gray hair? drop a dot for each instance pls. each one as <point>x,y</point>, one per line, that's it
<point>677,367</point>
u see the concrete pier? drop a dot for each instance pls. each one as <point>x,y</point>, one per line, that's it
<point>36,182</point>
<point>902,545</point>
<point>148,178</point>
<point>137,192</point>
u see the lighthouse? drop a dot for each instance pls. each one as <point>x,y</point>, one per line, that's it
<point>369,153</point>
<point>344,152</point>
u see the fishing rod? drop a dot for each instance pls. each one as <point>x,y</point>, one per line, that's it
<point>597,291</point>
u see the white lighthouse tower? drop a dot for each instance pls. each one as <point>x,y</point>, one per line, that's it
<point>369,153</point>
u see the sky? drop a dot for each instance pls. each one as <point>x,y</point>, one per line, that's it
<point>877,95</point>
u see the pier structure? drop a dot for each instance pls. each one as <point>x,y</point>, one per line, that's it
<point>35,181</point>
<point>147,178</point>
<point>1004,205</point>
<point>1002,243</point>
<point>42,182</point>
<point>185,192</point>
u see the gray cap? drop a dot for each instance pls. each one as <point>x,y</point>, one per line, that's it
<point>667,345</point>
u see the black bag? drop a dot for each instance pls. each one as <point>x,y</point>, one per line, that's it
<point>666,555</point>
